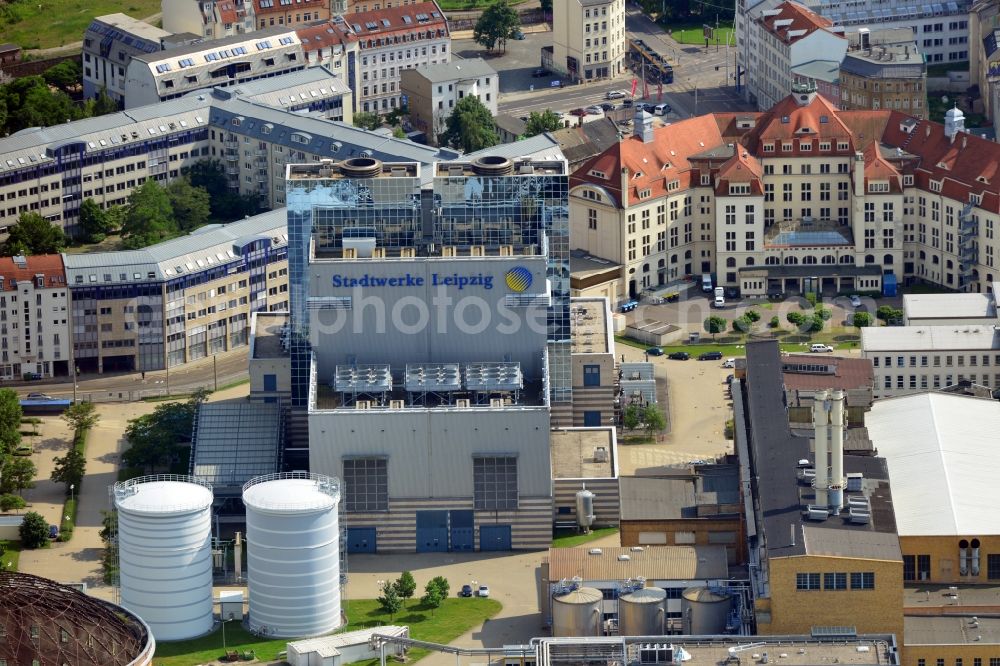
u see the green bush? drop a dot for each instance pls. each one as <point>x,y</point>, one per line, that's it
<point>811,297</point>
<point>752,315</point>
<point>815,324</point>
<point>862,319</point>
<point>774,323</point>
<point>824,313</point>
<point>12,502</point>
<point>796,318</point>
<point>34,531</point>
<point>742,324</point>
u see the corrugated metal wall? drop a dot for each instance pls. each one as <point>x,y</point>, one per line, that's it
<point>607,501</point>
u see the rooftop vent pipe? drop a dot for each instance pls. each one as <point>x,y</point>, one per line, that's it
<point>493,165</point>
<point>361,167</point>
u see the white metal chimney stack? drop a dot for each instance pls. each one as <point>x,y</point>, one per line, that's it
<point>837,481</point>
<point>821,420</point>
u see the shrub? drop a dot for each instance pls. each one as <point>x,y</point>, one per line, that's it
<point>11,502</point>
<point>774,323</point>
<point>862,319</point>
<point>796,318</point>
<point>824,313</point>
<point>811,297</point>
<point>742,324</point>
<point>34,531</point>
<point>815,324</point>
<point>752,315</point>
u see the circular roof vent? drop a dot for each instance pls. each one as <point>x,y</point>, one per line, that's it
<point>361,167</point>
<point>493,165</point>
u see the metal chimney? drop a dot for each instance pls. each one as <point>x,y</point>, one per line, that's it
<point>821,420</point>
<point>837,481</point>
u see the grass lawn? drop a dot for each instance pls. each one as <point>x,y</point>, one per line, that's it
<point>693,34</point>
<point>50,23</point>
<point>11,555</point>
<point>571,539</point>
<point>732,345</point>
<point>451,620</point>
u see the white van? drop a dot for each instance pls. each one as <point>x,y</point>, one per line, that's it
<point>720,297</point>
<point>706,283</point>
<point>661,109</point>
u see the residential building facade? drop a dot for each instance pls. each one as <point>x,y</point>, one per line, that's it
<point>588,38</point>
<point>391,40</point>
<point>270,13</point>
<point>433,91</point>
<point>34,311</point>
<point>109,44</point>
<point>884,69</point>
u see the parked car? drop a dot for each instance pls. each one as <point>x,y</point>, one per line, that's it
<point>628,306</point>
<point>855,301</point>
<point>654,351</point>
<point>540,72</point>
<point>53,531</point>
<point>607,107</point>
<point>729,363</point>
<point>710,356</point>
<point>518,35</point>
<point>578,112</point>
<point>662,109</point>
<point>642,106</point>
<point>556,83</point>
<point>594,110</point>
<point>818,348</point>
<point>484,591</point>
<point>40,396</point>
<point>466,591</point>
<point>627,104</point>
<point>679,356</point>
<point>614,94</point>
<point>729,379</point>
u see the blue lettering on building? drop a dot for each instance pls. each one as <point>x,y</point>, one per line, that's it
<point>410,281</point>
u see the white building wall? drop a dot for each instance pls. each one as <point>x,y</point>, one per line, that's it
<point>34,329</point>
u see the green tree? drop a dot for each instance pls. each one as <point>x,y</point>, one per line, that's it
<point>149,217</point>
<point>226,204</point>
<point>632,418</point>
<point>889,314</point>
<point>823,313</point>
<point>442,584</point>
<point>367,120</point>
<point>10,421</point>
<point>190,204</point>
<point>33,234</point>
<point>742,324</point>
<point>29,102</point>
<point>432,598</point>
<point>154,439</point>
<point>546,121</point>
<point>93,221</point>
<point>653,420</point>
<point>81,416</point>
<point>752,315</point>
<point>104,104</point>
<point>496,25</point>
<point>34,531</point>
<point>70,468</point>
<point>470,126</point>
<point>715,325</point>
<point>10,502</point>
<point>815,324</point>
<point>18,473</point>
<point>390,601</point>
<point>66,75</point>
<point>862,319</point>
<point>796,318</point>
<point>405,585</point>
<point>774,323</point>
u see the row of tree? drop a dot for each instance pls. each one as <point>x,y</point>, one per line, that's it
<point>16,472</point>
<point>394,593</point>
<point>156,439</point>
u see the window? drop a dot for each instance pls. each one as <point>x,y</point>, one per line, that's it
<point>993,567</point>
<point>807,581</point>
<point>591,375</point>
<point>683,538</point>
<point>494,481</point>
<point>863,580</point>
<point>366,484</point>
<point>909,567</point>
<point>835,581</point>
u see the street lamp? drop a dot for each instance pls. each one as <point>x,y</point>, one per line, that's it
<point>224,621</point>
<point>72,487</point>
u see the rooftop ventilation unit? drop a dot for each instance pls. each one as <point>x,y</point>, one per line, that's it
<point>817,512</point>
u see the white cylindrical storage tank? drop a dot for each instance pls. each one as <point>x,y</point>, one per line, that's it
<point>165,553</point>
<point>705,611</point>
<point>642,613</point>
<point>293,554</point>
<point>584,508</point>
<point>577,612</point>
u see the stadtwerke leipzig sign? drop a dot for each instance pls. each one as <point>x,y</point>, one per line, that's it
<point>518,279</point>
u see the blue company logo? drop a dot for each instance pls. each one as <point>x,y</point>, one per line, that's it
<point>518,278</point>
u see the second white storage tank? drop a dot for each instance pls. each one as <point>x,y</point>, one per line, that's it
<point>293,554</point>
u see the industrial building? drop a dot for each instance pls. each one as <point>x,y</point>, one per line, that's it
<point>951,309</point>
<point>803,375</point>
<point>43,622</point>
<point>585,588</point>
<point>821,529</point>
<point>385,373</point>
<point>699,506</point>
<point>584,463</point>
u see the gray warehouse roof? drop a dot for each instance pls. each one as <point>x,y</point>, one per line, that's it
<point>682,563</point>
<point>236,441</point>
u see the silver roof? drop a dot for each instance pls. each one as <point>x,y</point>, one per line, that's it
<point>455,70</point>
<point>292,89</point>
<point>205,248</point>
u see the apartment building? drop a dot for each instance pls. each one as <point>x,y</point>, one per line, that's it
<point>178,301</point>
<point>270,13</point>
<point>802,197</point>
<point>333,45</point>
<point>941,30</point>
<point>254,130</point>
<point>884,70</point>
<point>788,36</point>
<point>984,55</point>
<point>109,44</point>
<point>208,20</point>
<point>588,38</point>
<point>433,91</point>
<point>34,311</point>
<point>391,40</point>
<point>163,75</point>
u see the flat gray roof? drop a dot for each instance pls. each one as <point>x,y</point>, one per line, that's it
<point>573,453</point>
<point>455,70</point>
<point>267,335</point>
<point>944,337</point>
<point>236,441</point>
<point>949,306</point>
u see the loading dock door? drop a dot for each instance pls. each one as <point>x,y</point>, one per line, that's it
<point>432,531</point>
<point>494,537</point>
<point>463,531</point>
<point>361,540</point>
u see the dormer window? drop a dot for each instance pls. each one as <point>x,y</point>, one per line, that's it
<point>768,147</point>
<point>739,188</point>
<point>673,185</point>
<point>982,179</point>
<point>908,180</point>
<point>706,179</point>
<point>644,194</point>
<point>786,147</point>
<point>843,145</point>
<point>878,186</point>
<point>975,199</point>
<point>597,174</point>
<point>935,186</point>
<point>805,146</point>
<point>824,146</point>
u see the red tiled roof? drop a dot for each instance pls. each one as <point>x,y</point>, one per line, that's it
<point>228,13</point>
<point>877,168</point>
<point>325,34</point>
<point>49,265</point>
<point>396,21</point>
<point>275,7</point>
<point>793,22</point>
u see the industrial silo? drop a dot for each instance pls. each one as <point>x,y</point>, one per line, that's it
<point>705,611</point>
<point>577,612</point>
<point>293,554</point>
<point>642,612</point>
<point>165,553</point>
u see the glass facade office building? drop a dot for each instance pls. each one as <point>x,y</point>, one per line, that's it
<point>489,202</point>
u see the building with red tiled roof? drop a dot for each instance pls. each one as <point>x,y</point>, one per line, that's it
<point>802,197</point>
<point>268,13</point>
<point>393,39</point>
<point>788,36</point>
<point>34,311</point>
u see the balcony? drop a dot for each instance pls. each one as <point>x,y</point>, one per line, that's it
<point>262,178</point>
<point>231,144</point>
<point>231,156</point>
<point>260,152</point>
<point>233,170</point>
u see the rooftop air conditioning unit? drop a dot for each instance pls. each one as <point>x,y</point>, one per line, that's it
<point>397,404</point>
<point>462,402</point>
<point>476,251</point>
<point>506,250</point>
<point>496,402</point>
<point>601,454</point>
<point>363,404</point>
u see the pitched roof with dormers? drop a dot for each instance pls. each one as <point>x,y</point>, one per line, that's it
<point>877,168</point>
<point>325,35</point>
<point>228,12</point>
<point>788,120</point>
<point>392,20</point>
<point>741,168</point>
<point>25,269</point>
<point>266,7</point>
<point>793,21</point>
